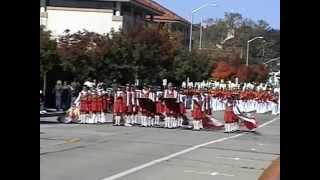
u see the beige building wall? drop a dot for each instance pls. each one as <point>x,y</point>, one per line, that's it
<point>58,19</point>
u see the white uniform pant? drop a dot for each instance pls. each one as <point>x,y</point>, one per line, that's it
<point>230,127</point>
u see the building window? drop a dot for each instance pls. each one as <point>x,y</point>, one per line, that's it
<point>117,9</point>
<point>114,8</point>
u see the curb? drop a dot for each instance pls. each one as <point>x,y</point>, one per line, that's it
<point>272,172</point>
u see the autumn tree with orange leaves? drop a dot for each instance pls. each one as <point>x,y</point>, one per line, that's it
<point>230,68</point>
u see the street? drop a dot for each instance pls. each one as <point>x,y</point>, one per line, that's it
<point>97,152</point>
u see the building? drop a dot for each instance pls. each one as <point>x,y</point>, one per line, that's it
<point>172,22</point>
<point>100,16</point>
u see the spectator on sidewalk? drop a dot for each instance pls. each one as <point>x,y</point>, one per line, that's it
<point>74,91</point>
<point>41,100</point>
<point>58,94</point>
<point>66,96</point>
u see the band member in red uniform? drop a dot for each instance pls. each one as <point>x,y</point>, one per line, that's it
<point>151,111</point>
<point>182,107</point>
<point>197,113</point>
<point>83,99</point>
<point>100,110</point>
<point>159,107</point>
<point>170,119</point>
<point>144,117</point>
<point>89,107</point>
<point>110,101</point>
<point>94,107</point>
<point>248,119</point>
<point>119,106</point>
<point>137,108</point>
<point>104,105</point>
<point>206,107</point>
<point>129,120</point>
<point>230,118</point>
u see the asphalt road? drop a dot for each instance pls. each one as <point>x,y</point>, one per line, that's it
<point>97,152</point>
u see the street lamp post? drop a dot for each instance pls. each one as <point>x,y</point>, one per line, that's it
<point>271,60</point>
<point>259,37</point>
<point>192,12</point>
<point>190,38</point>
<point>200,41</point>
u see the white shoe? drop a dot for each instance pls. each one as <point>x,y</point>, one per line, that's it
<point>128,125</point>
<point>166,122</point>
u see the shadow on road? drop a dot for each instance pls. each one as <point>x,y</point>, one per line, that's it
<point>49,122</point>
<point>247,131</point>
<point>257,133</point>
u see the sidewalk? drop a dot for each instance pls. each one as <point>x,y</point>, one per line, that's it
<point>272,172</point>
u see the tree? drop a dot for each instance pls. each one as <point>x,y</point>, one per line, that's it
<point>244,29</point>
<point>230,68</point>
<point>243,73</point>
<point>233,20</point>
<point>195,65</point>
<point>82,53</point>
<point>259,72</point>
<point>262,26</point>
<point>151,54</point>
<point>223,71</point>
<point>143,53</point>
<point>48,55</point>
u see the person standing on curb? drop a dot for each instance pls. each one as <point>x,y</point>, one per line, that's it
<point>58,95</point>
<point>66,96</point>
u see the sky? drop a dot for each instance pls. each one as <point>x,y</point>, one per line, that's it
<point>268,10</point>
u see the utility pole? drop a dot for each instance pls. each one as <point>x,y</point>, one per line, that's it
<point>200,41</point>
<point>192,12</point>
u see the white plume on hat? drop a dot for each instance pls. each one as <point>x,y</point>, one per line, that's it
<point>89,84</point>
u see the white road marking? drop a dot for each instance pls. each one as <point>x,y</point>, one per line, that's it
<point>234,158</point>
<point>208,173</point>
<point>253,149</point>
<point>231,158</point>
<point>214,173</point>
<point>196,172</point>
<point>151,163</point>
<point>222,174</point>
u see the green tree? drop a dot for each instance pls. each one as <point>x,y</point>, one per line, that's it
<point>82,53</point>
<point>142,53</point>
<point>48,55</point>
<point>233,20</point>
<point>244,29</point>
<point>195,65</point>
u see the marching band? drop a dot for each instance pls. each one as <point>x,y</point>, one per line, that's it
<point>173,108</point>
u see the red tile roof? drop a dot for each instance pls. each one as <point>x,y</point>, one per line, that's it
<point>167,16</point>
<point>148,4</point>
